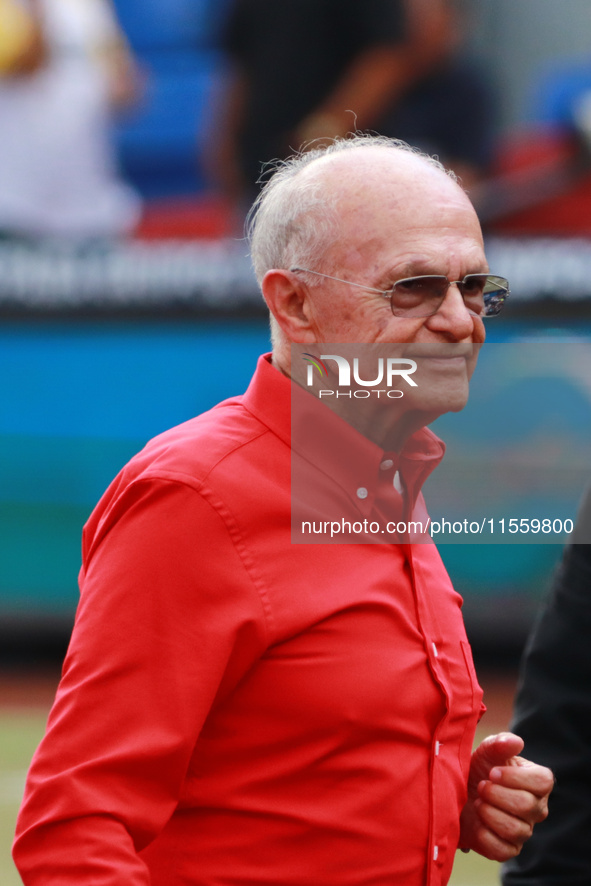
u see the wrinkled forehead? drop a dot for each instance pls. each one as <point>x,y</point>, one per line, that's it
<point>382,193</point>
<point>356,173</point>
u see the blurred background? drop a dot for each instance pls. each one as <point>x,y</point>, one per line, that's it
<point>133,133</point>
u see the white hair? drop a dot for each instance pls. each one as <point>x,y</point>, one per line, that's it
<point>294,219</point>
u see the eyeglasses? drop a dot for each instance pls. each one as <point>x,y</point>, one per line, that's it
<point>484,294</point>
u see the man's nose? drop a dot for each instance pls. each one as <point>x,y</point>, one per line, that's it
<point>453,318</point>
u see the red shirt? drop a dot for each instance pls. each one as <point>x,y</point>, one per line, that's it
<point>237,709</point>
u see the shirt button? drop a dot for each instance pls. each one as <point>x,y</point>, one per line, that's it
<point>386,464</point>
<point>362,492</point>
<point>435,852</point>
<point>435,652</point>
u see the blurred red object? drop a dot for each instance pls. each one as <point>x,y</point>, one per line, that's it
<point>186,218</point>
<point>541,186</point>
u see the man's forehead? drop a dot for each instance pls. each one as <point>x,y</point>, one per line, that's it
<point>346,171</point>
<point>385,193</point>
<point>379,188</point>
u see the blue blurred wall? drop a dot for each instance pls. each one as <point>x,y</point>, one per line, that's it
<point>78,398</point>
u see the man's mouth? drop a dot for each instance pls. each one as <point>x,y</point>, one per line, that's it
<point>443,352</point>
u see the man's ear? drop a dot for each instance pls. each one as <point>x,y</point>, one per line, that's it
<point>289,302</point>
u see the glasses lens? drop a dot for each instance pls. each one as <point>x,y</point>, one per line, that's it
<point>483,294</point>
<point>418,296</point>
<point>473,287</point>
<point>495,293</point>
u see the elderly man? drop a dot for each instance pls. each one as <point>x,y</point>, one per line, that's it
<point>238,709</point>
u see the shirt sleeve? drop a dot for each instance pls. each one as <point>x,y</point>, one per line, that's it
<point>553,716</point>
<point>168,620</point>
<point>360,22</point>
<point>236,34</point>
<point>377,22</point>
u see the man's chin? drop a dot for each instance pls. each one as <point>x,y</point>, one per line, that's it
<point>436,406</point>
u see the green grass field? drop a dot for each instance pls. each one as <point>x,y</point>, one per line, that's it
<point>21,730</point>
<point>20,733</point>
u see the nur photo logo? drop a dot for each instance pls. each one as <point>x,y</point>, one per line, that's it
<point>386,371</point>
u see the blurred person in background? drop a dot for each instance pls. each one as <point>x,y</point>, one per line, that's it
<point>450,107</point>
<point>21,40</point>
<point>553,715</point>
<point>64,67</point>
<point>303,70</point>
<point>237,708</point>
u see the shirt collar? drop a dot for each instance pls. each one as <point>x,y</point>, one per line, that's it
<point>329,443</point>
<point>268,398</point>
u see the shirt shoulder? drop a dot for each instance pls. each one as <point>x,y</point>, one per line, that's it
<point>219,455</point>
<point>192,450</point>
